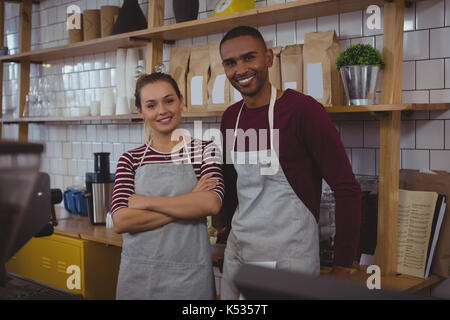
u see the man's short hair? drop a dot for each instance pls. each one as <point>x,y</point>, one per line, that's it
<point>243,31</point>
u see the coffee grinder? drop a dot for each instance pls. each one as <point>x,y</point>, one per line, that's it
<point>99,186</point>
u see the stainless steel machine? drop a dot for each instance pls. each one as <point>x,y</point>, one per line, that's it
<point>26,200</point>
<point>99,186</point>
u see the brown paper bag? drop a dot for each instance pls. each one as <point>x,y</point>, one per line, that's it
<point>76,35</point>
<point>108,16</point>
<point>292,67</point>
<point>235,95</point>
<point>179,63</point>
<point>91,24</point>
<point>440,183</point>
<point>218,84</point>
<point>275,70</point>
<point>197,80</point>
<point>321,78</point>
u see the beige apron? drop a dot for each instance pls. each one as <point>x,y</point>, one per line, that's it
<point>173,261</point>
<point>270,224</point>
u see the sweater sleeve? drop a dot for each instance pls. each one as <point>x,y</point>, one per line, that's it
<point>123,183</point>
<point>322,140</point>
<point>212,164</point>
<point>229,175</point>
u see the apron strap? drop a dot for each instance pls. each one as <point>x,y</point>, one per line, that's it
<point>184,147</point>
<point>143,156</point>
<point>273,98</point>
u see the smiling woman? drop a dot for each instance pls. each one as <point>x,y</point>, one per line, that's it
<point>162,194</point>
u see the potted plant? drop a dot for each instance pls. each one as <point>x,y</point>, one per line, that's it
<point>359,66</point>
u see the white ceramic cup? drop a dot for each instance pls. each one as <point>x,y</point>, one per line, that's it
<point>122,106</point>
<point>107,105</point>
<point>84,112</point>
<point>95,108</point>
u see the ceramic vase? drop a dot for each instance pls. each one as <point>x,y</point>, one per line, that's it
<point>185,10</point>
<point>131,18</point>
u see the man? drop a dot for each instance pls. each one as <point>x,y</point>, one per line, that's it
<point>275,212</point>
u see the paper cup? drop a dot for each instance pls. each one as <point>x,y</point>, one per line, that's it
<point>84,112</point>
<point>122,106</point>
<point>107,106</point>
<point>95,108</point>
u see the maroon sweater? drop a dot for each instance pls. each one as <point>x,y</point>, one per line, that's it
<point>309,149</point>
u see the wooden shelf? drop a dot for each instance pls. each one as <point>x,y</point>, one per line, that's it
<point>332,110</point>
<point>388,107</point>
<point>274,14</point>
<point>129,117</point>
<point>99,45</point>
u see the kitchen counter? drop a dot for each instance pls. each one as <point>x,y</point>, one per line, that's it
<point>80,228</point>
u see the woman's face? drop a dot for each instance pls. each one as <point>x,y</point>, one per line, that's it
<point>161,107</point>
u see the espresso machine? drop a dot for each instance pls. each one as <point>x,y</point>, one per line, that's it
<point>99,186</point>
<point>26,202</point>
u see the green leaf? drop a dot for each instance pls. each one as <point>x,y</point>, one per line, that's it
<point>360,54</point>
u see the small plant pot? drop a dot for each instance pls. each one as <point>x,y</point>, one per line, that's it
<point>360,84</point>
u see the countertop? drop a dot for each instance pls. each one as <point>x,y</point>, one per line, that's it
<point>79,227</point>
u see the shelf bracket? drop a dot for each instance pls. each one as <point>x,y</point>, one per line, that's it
<point>140,39</point>
<point>150,40</point>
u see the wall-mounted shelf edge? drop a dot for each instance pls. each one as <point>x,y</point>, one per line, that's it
<point>278,13</point>
<point>331,110</point>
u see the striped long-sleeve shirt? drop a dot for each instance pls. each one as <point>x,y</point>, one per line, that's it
<point>204,156</point>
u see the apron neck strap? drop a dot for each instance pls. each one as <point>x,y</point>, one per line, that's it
<point>185,147</point>
<point>273,98</point>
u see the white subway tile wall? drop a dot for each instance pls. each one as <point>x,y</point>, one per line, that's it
<point>425,139</point>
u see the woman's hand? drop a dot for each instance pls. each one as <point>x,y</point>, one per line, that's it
<point>137,201</point>
<point>206,183</point>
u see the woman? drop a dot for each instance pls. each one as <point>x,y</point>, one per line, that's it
<point>163,191</point>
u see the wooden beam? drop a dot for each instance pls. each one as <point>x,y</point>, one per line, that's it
<point>2,35</point>
<point>24,45</point>
<point>155,48</point>
<point>390,126</point>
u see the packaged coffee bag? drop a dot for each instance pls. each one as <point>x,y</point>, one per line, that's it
<point>292,67</point>
<point>197,80</point>
<point>179,63</point>
<point>218,85</point>
<point>321,78</point>
<point>235,95</point>
<point>275,70</point>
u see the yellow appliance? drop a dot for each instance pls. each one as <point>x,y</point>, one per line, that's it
<point>48,259</point>
<point>229,6</point>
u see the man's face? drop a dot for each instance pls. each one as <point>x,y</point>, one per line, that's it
<point>246,62</point>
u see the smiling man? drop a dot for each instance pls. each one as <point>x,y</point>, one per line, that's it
<point>274,217</point>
